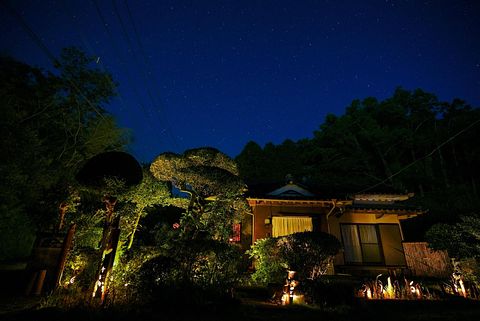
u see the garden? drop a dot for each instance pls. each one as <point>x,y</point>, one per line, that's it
<point>89,233</point>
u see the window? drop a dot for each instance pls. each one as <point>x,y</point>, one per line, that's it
<point>236,233</point>
<point>286,225</point>
<point>361,243</point>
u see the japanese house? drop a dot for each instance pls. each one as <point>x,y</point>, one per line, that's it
<point>368,225</point>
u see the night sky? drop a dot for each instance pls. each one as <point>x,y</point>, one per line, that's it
<point>222,73</point>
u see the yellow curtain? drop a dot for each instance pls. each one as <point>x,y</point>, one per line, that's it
<point>286,225</point>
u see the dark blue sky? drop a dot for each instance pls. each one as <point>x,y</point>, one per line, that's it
<point>221,73</point>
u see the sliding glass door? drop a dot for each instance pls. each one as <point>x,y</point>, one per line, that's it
<point>361,243</point>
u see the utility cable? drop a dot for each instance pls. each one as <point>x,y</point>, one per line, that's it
<point>117,50</point>
<point>110,36</point>
<point>91,50</point>
<point>422,158</point>
<point>155,102</point>
<point>36,39</point>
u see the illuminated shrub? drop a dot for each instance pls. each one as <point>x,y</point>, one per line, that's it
<point>308,253</point>
<point>131,275</point>
<point>189,271</point>
<point>80,268</point>
<point>269,264</point>
<point>207,263</point>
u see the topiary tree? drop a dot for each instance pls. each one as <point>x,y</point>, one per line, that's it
<point>199,245</point>
<point>211,180</point>
<point>149,193</point>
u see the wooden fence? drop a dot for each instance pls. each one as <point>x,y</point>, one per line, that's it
<point>425,262</point>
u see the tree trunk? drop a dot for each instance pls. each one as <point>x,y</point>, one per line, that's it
<point>417,172</point>
<point>132,235</point>
<point>443,167</point>
<point>386,168</point>
<point>61,215</point>
<point>364,161</point>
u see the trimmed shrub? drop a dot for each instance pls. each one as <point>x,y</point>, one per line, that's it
<point>308,253</point>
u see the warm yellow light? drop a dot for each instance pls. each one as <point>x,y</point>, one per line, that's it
<point>369,293</point>
<point>298,298</point>
<point>462,288</point>
<point>389,290</point>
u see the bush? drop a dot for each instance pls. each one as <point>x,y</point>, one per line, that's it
<point>308,253</point>
<point>269,264</point>
<point>196,272</point>
<point>207,263</point>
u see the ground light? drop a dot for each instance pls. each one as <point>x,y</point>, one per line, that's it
<point>289,295</point>
<point>405,289</point>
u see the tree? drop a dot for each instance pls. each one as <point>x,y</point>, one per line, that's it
<point>461,240</point>
<point>211,180</point>
<point>148,194</point>
<point>50,124</point>
<point>251,163</point>
<point>462,243</point>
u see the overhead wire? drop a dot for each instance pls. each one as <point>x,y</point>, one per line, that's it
<point>421,158</point>
<point>91,51</point>
<point>156,104</point>
<point>36,39</point>
<point>116,49</point>
<point>129,76</point>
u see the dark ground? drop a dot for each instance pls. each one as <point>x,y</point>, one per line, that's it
<point>251,304</point>
<point>21,308</point>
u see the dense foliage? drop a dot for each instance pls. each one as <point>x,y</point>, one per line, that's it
<point>460,240</point>
<point>462,243</point>
<point>308,253</point>
<point>50,124</point>
<point>186,271</point>
<point>215,190</point>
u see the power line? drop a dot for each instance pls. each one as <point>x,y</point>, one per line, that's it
<point>124,31</point>
<point>116,49</point>
<point>421,158</point>
<point>36,39</point>
<point>155,102</point>
<point>90,48</point>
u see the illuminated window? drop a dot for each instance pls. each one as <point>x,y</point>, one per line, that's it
<point>286,225</point>
<point>361,243</point>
